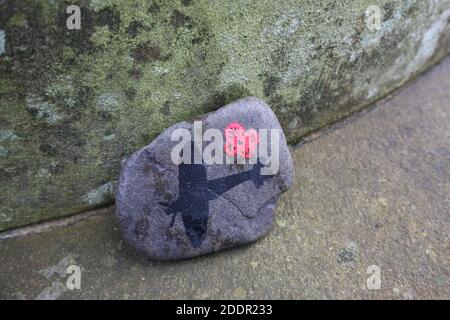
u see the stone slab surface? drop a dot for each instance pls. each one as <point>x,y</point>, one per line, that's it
<point>374,191</point>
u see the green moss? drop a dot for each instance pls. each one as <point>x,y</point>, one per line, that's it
<point>18,20</point>
<point>101,37</point>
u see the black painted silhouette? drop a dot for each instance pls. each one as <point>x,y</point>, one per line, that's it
<point>195,192</point>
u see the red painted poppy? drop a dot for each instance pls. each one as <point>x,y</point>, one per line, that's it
<point>239,141</point>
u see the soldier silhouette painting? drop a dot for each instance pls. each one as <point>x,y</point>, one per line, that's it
<point>195,192</point>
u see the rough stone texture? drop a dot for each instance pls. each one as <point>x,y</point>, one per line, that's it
<point>372,192</point>
<point>73,103</point>
<point>171,211</point>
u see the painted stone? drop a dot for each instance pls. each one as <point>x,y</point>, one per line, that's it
<point>205,186</point>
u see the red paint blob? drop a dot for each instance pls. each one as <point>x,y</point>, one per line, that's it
<point>239,141</point>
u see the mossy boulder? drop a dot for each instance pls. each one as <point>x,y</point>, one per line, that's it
<point>73,103</point>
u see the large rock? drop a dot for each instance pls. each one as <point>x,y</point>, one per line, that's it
<point>74,102</point>
<point>172,211</point>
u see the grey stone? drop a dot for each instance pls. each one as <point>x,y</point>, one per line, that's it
<point>171,211</point>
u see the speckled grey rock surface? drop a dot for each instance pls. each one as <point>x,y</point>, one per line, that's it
<point>174,211</point>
